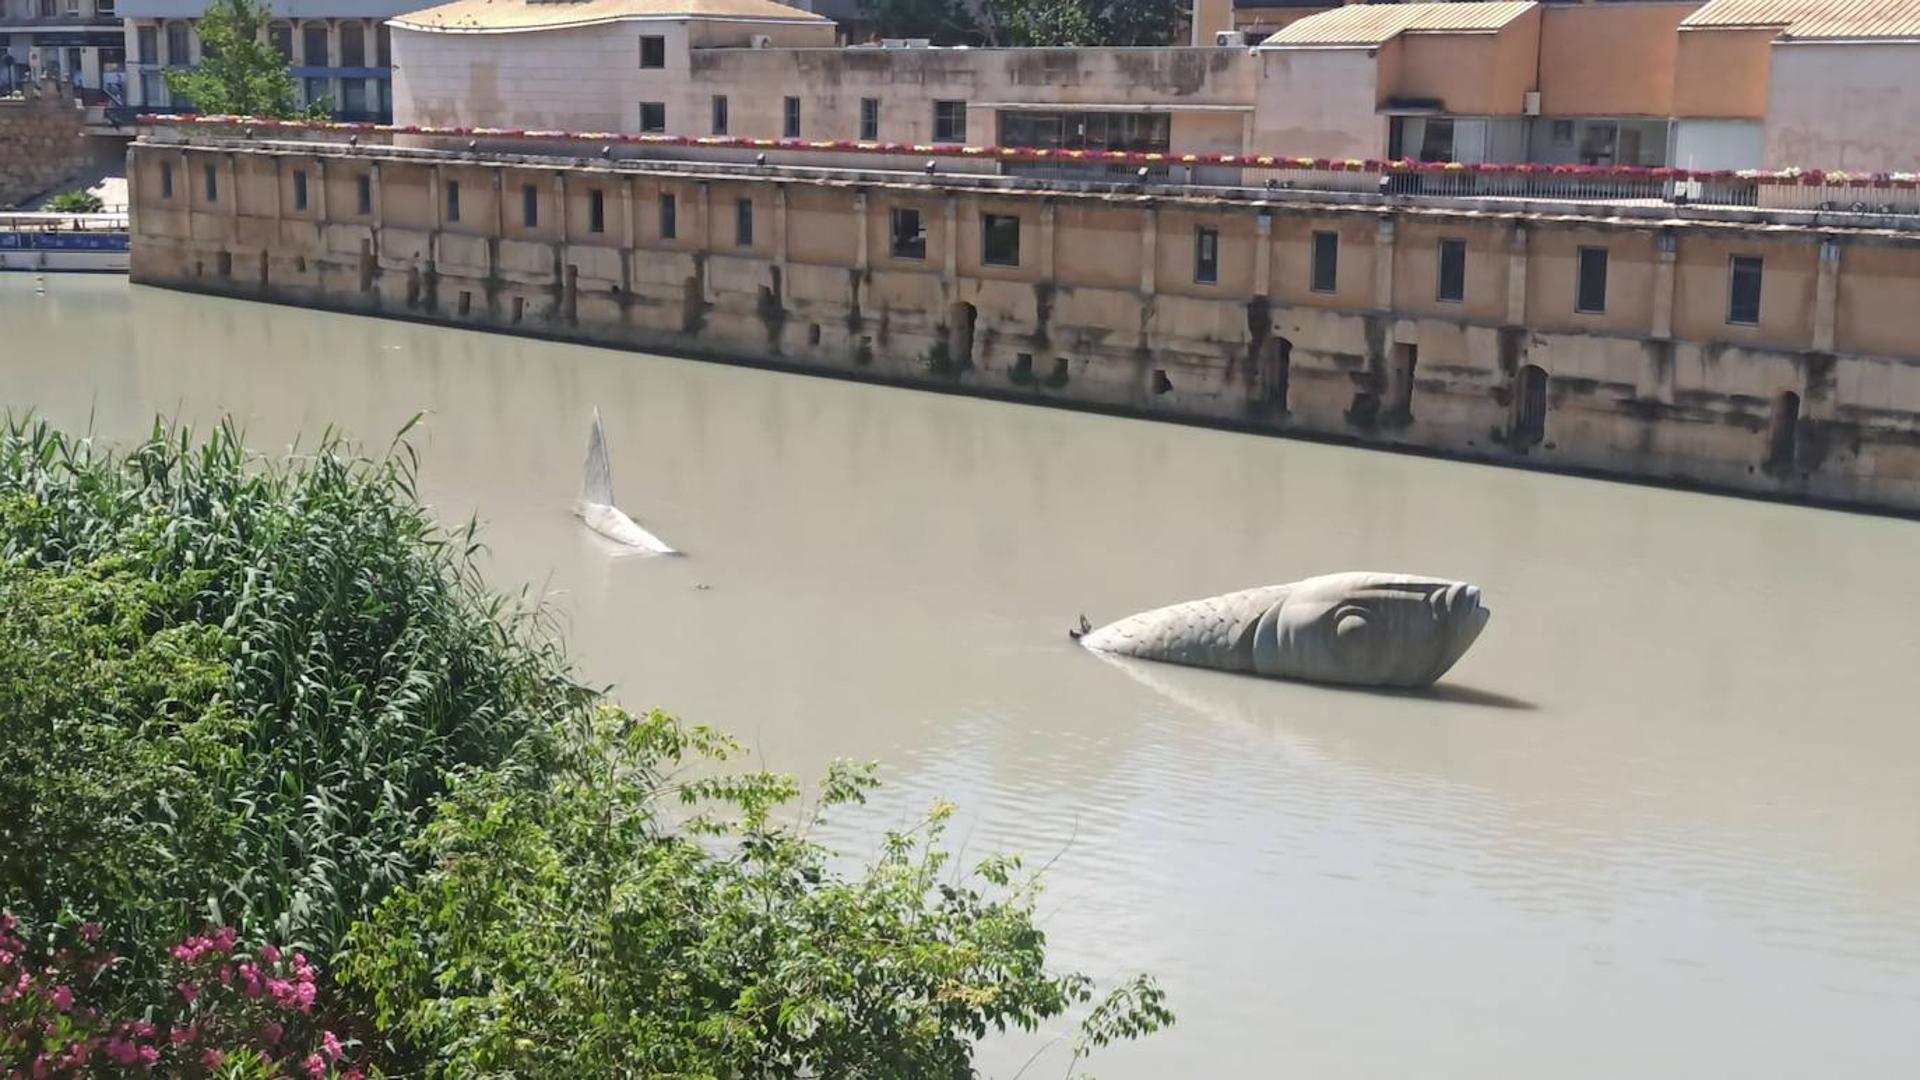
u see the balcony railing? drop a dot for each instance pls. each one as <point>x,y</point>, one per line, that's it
<point>1881,193</point>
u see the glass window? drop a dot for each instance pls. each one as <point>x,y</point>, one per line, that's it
<point>166,180</point>
<point>653,117</point>
<point>1598,139</point>
<point>669,226</point>
<point>596,211</point>
<point>353,97</point>
<point>178,54</point>
<point>1592,294</point>
<point>653,51</point>
<point>1743,300</point>
<point>950,121</point>
<point>1325,272</point>
<point>104,9</point>
<point>1206,255</point>
<point>791,125</point>
<point>146,45</point>
<point>1436,144</point>
<point>313,43</point>
<point>529,205</point>
<point>1000,239</point>
<point>316,91</point>
<point>383,42</point>
<point>453,200</point>
<point>909,234</point>
<point>153,89</point>
<point>280,36</point>
<point>870,118</point>
<point>366,195</point>
<point>212,184</point>
<point>719,114</point>
<point>353,43</point>
<point>743,222</point>
<point>299,189</point>
<point>1453,270</point>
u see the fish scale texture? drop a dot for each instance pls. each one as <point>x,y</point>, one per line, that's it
<point>1201,632</point>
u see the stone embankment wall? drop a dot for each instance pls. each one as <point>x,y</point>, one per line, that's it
<point>1459,331</point>
<point>42,141</point>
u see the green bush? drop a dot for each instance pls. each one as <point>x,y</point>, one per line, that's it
<point>76,202</point>
<point>276,696</point>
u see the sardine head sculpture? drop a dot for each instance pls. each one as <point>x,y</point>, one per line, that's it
<point>595,505</point>
<point>1361,629</point>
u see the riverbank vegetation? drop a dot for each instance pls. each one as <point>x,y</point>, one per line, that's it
<point>286,790</point>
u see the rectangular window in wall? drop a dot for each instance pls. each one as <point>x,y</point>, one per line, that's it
<point>596,211</point>
<point>166,180</point>
<point>280,37</point>
<point>178,54</point>
<point>869,118</point>
<point>719,114</point>
<point>1743,296</point>
<point>1324,274</point>
<point>653,117</point>
<point>1206,255</point>
<point>213,184</point>
<point>316,91</point>
<point>1453,271</point>
<point>1591,292</point>
<point>366,195</point>
<point>1000,239</point>
<point>949,121</point>
<point>529,205</point>
<point>909,234</point>
<point>105,9</point>
<point>653,51</point>
<point>353,43</point>
<point>146,45</point>
<point>790,125</point>
<point>453,200</point>
<point>669,225</point>
<point>313,42</point>
<point>299,189</point>
<point>743,222</point>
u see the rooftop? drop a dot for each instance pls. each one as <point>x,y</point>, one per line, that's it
<point>1857,20</point>
<point>1377,24</point>
<point>509,16</point>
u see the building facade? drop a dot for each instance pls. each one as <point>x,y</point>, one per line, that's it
<point>1756,351</point>
<point>73,41</point>
<point>339,50</point>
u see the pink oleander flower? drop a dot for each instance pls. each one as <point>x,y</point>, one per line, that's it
<point>315,1067</point>
<point>330,1043</point>
<point>270,1034</point>
<point>180,1036</point>
<point>270,954</point>
<point>224,938</point>
<point>145,1030</point>
<point>188,991</point>
<point>122,1051</point>
<point>304,996</point>
<point>212,1058</point>
<point>90,931</point>
<point>63,998</point>
<point>149,1056</point>
<point>282,991</point>
<point>226,974</point>
<point>8,922</point>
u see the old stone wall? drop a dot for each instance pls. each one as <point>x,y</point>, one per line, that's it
<point>42,142</point>
<point>1462,331</point>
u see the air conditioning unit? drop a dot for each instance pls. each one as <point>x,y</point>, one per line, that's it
<point>1530,103</point>
<point>762,41</point>
<point>906,43</point>
<point>1229,39</point>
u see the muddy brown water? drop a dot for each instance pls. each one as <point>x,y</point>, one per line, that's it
<point>1662,820</point>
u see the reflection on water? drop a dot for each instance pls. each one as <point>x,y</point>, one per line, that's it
<point>1662,820</point>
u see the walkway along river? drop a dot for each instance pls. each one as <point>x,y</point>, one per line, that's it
<point>1661,821</point>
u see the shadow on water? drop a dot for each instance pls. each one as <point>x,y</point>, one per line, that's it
<point>1166,683</point>
<point>1450,694</point>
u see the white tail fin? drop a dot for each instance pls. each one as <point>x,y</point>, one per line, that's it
<point>596,485</point>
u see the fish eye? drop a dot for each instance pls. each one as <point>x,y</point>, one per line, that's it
<point>1348,620</point>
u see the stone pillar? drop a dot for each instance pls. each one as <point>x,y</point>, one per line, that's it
<point>436,194</point>
<point>1149,248</point>
<point>1047,212</point>
<point>1383,265</point>
<point>626,211</point>
<point>780,227</point>
<point>1517,275</point>
<point>333,60</point>
<point>374,197</point>
<point>952,254</point>
<point>1664,251</point>
<point>560,207</point>
<point>232,183</point>
<point>1826,295</point>
<point>860,257</point>
<point>1263,254</point>
<point>319,201</point>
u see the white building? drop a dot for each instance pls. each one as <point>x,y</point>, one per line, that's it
<point>78,40</point>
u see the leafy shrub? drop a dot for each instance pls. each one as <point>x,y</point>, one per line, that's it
<point>76,202</point>
<point>229,1014</point>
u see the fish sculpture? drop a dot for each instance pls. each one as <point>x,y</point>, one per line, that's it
<point>595,505</point>
<point>1361,629</point>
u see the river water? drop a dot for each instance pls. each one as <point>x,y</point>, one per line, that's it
<point>1663,820</point>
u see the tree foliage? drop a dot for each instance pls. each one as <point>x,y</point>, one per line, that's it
<point>240,74</point>
<point>1036,23</point>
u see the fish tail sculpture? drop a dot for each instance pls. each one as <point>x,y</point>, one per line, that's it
<point>595,505</point>
<point>1361,629</point>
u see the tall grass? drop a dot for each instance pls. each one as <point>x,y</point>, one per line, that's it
<point>368,665</point>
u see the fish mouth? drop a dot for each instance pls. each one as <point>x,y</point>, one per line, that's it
<point>1464,614</point>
